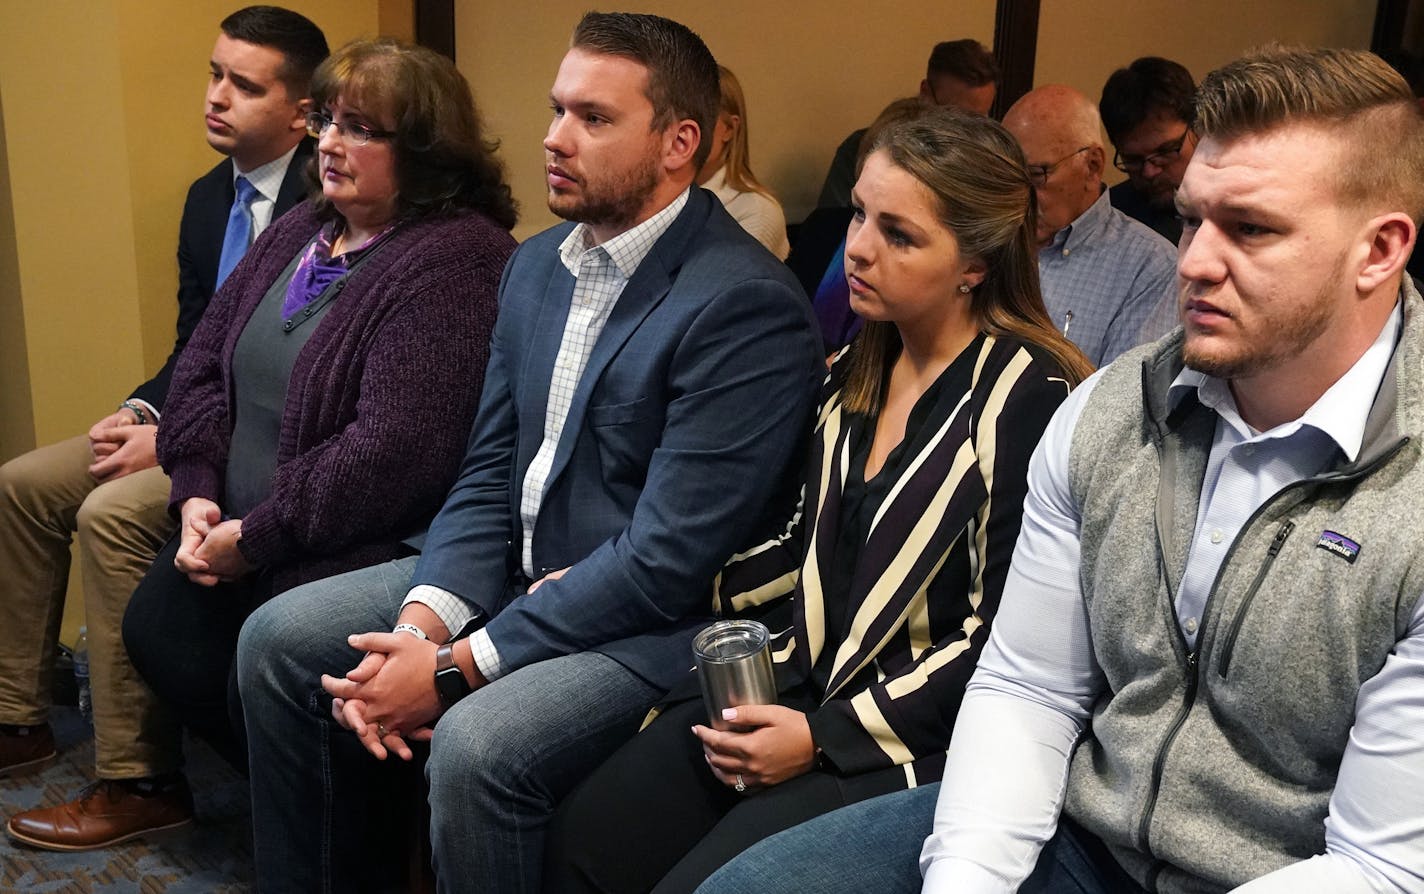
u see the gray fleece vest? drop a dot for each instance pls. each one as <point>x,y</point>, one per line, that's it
<point>1205,768</point>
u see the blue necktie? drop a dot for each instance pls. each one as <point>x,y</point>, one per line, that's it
<point>239,229</point>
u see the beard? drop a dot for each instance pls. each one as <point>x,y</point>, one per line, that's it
<point>1280,338</point>
<point>1163,197</point>
<point>1158,192</point>
<point>611,200</point>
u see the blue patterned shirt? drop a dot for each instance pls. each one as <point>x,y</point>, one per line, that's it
<point>1110,282</point>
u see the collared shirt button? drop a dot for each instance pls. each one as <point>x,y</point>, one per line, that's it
<point>1216,535</point>
<point>1190,625</point>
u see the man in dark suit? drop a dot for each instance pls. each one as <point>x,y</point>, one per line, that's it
<point>107,486</point>
<point>650,376</point>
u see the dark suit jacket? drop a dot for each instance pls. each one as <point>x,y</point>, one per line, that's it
<point>695,397</point>
<point>200,239</point>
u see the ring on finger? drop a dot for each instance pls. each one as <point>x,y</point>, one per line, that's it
<point>741,785</point>
<point>381,730</point>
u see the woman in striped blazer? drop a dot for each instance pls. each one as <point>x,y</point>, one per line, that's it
<point>889,573</point>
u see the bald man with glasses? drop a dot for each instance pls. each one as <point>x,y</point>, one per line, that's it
<point>1109,282</point>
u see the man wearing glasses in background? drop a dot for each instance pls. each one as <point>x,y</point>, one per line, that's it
<point>1108,281</point>
<point>1147,110</point>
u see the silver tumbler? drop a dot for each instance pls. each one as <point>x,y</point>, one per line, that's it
<point>734,664</point>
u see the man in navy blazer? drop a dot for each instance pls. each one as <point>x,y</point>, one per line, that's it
<point>107,487</point>
<point>650,377</point>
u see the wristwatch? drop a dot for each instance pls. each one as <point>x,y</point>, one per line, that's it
<point>450,682</point>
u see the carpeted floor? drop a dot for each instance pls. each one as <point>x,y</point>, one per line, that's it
<point>211,856</point>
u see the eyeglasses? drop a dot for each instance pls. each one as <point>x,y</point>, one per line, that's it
<point>1165,155</point>
<point>356,134</point>
<point>1038,174</point>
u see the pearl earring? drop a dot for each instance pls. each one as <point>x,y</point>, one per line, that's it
<point>964,288</point>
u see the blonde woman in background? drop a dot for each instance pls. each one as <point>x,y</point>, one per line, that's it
<point>728,173</point>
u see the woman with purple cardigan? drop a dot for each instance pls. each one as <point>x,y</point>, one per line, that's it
<point>320,412</point>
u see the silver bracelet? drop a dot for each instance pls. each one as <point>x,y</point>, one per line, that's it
<point>411,629</point>
<point>137,409</point>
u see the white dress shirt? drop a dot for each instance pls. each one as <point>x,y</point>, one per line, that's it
<point>1037,680</point>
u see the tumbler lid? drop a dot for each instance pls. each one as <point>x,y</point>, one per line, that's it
<point>731,640</point>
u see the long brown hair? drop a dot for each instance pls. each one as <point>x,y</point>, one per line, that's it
<point>444,161</point>
<point>976,171</point>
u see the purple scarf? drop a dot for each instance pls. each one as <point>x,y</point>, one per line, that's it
<point>318,269</point>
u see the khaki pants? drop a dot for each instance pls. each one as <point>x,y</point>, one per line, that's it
<point>44,496</point>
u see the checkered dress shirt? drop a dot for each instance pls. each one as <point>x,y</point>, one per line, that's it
<point>1109,282</point>
<point>267,180</point>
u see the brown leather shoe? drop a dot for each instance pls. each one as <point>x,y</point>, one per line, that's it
<point>105,813</point>
<point>28,748</point>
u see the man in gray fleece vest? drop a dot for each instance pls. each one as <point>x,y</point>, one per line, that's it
<point>1207,673</point>
<point>1210,656</point>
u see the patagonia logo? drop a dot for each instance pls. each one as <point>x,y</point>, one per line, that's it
<point>1340,545</point>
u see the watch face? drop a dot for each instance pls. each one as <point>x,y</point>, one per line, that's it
<point>450,685</point>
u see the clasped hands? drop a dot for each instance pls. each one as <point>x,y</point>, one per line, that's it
<point>767,745</point>
<point>121,446</point>
<point>207,545</point>
<point>389,700</point>
<point>393,682</point>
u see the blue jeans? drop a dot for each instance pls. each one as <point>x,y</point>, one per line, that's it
<point>499,763</point>
<point>875,846</point>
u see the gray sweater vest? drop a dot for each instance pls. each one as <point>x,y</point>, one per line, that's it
<point>1204,769</point>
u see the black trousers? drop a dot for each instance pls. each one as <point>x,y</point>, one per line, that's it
<point>182,637</point>
<point>654,818</point>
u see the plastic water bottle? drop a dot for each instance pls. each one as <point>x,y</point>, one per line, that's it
<point>81,674</point>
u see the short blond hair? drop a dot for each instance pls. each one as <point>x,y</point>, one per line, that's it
<point>1353,93</point>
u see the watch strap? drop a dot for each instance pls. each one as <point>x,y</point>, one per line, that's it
<point>450,682</point>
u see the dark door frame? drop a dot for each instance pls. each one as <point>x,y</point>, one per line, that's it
<point>1015,49</point>
<point>435,26</point>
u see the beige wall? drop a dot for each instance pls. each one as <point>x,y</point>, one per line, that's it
<point>74,239</point>
<point>396,18</point>
<point>1081,42</point>
<point>17,424</point>
<point>815,72</point>
<point>809,80</point>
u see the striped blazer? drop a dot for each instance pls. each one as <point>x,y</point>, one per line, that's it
<point>931,571</point>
